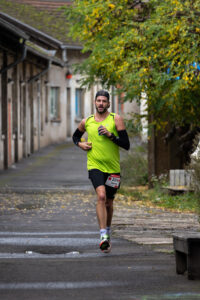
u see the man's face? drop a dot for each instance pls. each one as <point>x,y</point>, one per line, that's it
<point>102,104</point>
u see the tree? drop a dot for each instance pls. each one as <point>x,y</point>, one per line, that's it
<point>150,47</point>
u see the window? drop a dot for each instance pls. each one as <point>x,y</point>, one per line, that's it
<point>79,103</point>
<point>54,100</point>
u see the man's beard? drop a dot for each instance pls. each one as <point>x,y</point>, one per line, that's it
<point>101,111</point>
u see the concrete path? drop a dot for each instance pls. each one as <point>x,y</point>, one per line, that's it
<point>49,238</point>
<point>57,167</point>
<point>151,226</point>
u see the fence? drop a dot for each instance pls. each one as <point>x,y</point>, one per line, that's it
<point>180,178</point>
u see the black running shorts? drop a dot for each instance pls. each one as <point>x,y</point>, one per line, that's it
<point>99,178</point>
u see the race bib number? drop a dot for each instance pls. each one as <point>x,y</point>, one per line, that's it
<point>113,181</point>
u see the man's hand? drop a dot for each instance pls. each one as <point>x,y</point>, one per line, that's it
<point>86,146</point>
<point>103,131</point>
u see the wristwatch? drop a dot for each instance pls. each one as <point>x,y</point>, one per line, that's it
<point>112,137</point>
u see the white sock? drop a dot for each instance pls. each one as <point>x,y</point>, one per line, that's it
<point>108,230</point>
<point>102,232</point>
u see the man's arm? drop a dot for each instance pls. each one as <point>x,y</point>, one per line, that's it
<point>122,140</point>
<point>77,137</point>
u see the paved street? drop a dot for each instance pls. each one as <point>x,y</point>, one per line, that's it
<point>49,237</point>
<point>55,167</point>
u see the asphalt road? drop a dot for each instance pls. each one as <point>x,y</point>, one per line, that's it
<point>57,167</point>
<point>49,240</point>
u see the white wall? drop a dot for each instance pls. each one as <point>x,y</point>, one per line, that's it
<point>56,131</point>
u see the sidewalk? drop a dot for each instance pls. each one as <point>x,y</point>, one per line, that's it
<point>62,168</point>
<point>56,167</point>
<point>49,251</point>
<point>151,226</point>
<point>47,218</point>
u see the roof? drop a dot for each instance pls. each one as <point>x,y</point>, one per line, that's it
<point>45,55</point>
<point>13,29</point>
<point>34,34</point>
<point>42,16</point>
<point>49,5</point>
<point>18,34</point>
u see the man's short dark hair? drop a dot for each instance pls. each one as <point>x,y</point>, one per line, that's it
<point>102,93</point>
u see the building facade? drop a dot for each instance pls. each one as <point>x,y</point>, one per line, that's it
<point>41,101</point>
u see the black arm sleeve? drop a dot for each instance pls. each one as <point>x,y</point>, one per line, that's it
<point>77,136</point>
<point>122,140</point>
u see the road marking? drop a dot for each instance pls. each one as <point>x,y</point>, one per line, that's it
<point>57,285</point>
<point>180,296</point>
<point>27,189</point>
<point>18,233</point>
<point>59,242</point>
<point>66,247</point>
<point>35,255</point>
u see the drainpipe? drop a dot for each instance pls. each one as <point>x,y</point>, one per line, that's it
<point>35,77</point>
<point>20,59</point>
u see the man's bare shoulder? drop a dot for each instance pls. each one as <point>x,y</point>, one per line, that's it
<point>118,117</point>
<point>119,122</point>
<point>81,125</point>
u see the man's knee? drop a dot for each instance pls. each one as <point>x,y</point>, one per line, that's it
<point>101,194</point>
<point>102,197</point>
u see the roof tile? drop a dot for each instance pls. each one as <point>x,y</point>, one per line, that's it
<point>47,5</point>
<point>43,15</point>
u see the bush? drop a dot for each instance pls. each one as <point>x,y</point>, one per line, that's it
<point>134,168</point>
<point>195,174</point>
<point>133,124</point>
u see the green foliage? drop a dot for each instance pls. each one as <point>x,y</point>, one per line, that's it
<point>134,170</point>
<point>133,124</point>
<point>143,48</point>
<point>159,197</point>
<point>195,167</point>
<point>159,181</point>
<point>180,202</point>
<point>135,195</point>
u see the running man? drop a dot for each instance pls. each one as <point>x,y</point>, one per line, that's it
<point>106,133</point>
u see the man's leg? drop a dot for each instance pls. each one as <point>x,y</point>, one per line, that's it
<point>101,206</point>
<point>101,210</point>
<point>110,195</point>
<point>109,208</point>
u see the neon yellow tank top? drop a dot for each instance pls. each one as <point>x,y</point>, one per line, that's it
<point>104,154</point>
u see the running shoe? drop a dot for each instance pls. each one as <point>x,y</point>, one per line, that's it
<point>108,249</point>
<point>105,245</point>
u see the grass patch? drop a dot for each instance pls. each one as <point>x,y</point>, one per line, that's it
<point>134,167</point>
<point>136,195</point>
<point>134,172</point>
<point>157,197</point>
<point>185,202</point>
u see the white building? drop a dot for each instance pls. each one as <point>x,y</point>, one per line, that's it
<point>41,102</point>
